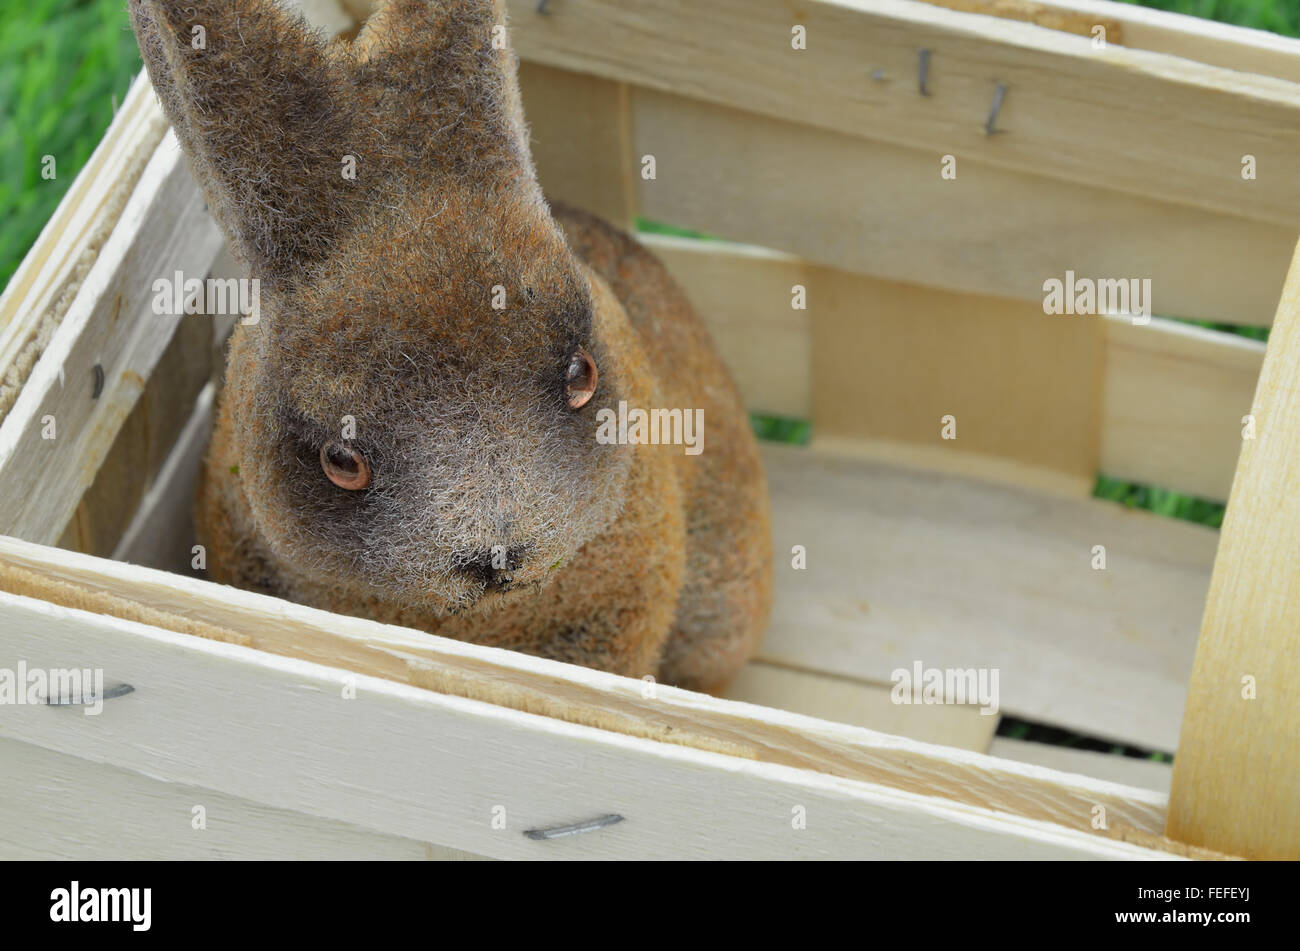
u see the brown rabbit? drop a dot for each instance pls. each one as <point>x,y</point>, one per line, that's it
<point>389,443</point>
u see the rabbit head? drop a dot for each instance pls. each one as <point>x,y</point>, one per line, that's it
<point>415,409</point>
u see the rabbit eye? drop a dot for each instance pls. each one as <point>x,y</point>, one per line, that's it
<point>580,380</point>
<point>345,467</point>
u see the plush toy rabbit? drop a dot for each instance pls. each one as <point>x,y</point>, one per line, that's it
<point>412,430</point>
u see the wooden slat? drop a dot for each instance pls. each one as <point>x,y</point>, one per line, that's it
<point>37,296</point>
<point>1173,396</point>
<point>575,695</point>
<point>580,136</point>
<point>1174,401</point>
<point>890,361</point>
<point>1237,775</point>
<point>842,700</point>
<point>744,296</point>
<point>882,209</point>
<point>1128,770</point>
<point>163,229</point>
<point>1066,17</point>
<point>1061,90</point>
<point>905,566</point>
<point>428,766</point>
<point>146,439</point>
<point>160,533</point>
<point>60,807</point>
<point>1137,27</point>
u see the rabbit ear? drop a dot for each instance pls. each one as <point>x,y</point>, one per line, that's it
<point>256,99</point>
<point>440,80</point>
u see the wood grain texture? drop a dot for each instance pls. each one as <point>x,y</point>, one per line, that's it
<point>160,533</point>
<point>1237,775</point>
<point>1054,16</point>
<point>1190,37</point>
<point>883,209</point>
<point>1061,90</point>
<point>958,573</point>
<point>856,703</point>
<point>580,135</point>
<point>1175,397</point>
<point>1128,770</point>
<point>52,806</point>
<point>1172,396</point>
<point>890,361</point>
<point>575,696</point>
<point>743,294</point>
<point>111,324</point>
<point>142,446</point>
<point>432,767</point>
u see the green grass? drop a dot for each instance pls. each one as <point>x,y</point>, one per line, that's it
<point>61,64</point>
<point>1277,16</point>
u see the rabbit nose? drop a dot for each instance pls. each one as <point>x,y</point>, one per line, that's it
<point>496,567</point>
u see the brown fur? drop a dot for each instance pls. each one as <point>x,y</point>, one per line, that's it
<point>376,304</point>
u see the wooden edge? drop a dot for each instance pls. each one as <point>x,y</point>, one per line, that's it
<point>586,697</point>
<point>86,383</point>
<point>977,466</point>
<point>1160,31</point>
<point>1236,783</point>
<point>1065,17</point>
<point>1176,402</point>
<point>64,817</point>
<point>1173,395</point>
<point>43,286</point>
<point>1128,770</point>
<point>729,173</point>
<point>431,766</point>
<point>161,529</point>
<point>1127,89</point>
<point>859,703</point>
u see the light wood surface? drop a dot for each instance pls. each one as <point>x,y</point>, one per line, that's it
<point>430,766</point>
<point>894,361</point>
<point>1175,397</point>
<point>52,807</point>
<point>954,572</point>
<point>1237,775</point>
<point>1060,90</point>
<point>744,294</point>
<point>110,324</point>
<point>883,209</point>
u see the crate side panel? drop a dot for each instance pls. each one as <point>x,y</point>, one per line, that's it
<point>888,210</point>
<point>419,765</point>
<point>56,806</point>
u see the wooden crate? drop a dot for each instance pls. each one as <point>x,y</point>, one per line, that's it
<point>295,732</point>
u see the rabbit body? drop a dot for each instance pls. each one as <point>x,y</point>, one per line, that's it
<point>425,313</point>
